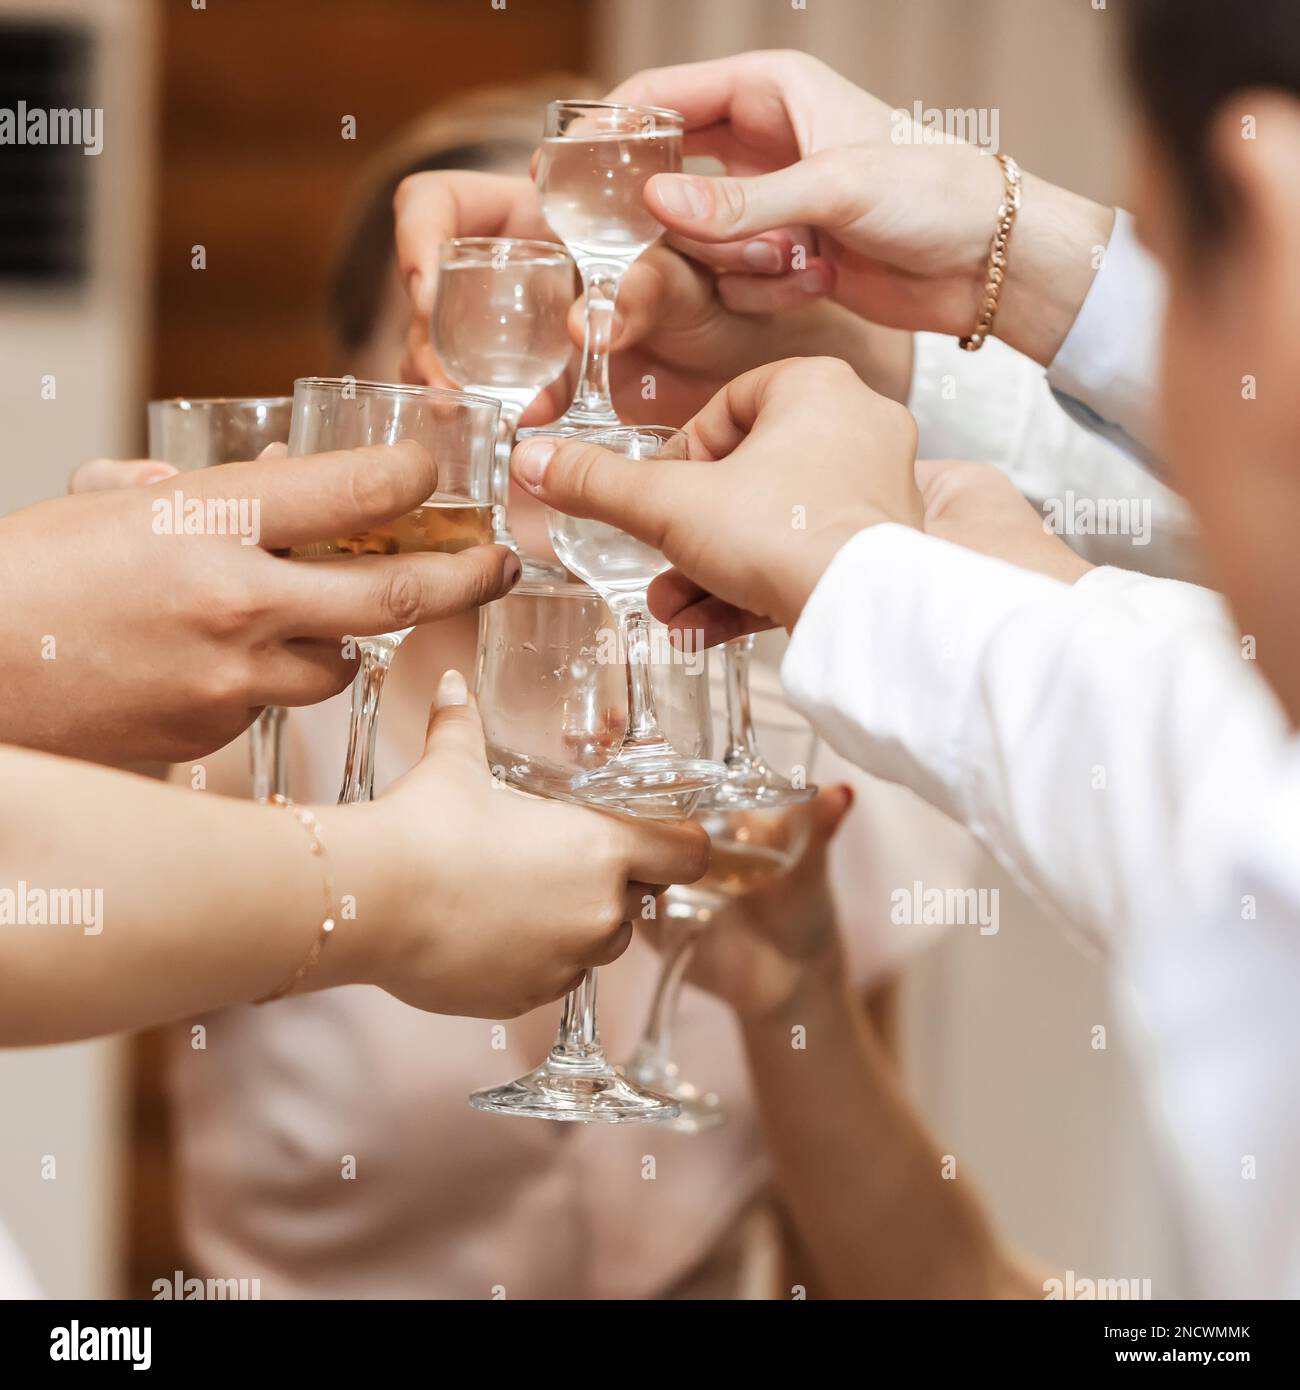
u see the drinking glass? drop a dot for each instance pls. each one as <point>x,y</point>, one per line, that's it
<point>595,159</point>
<point>752,848</point>
<point>460,432</point>
<point>750,780</point>
<point>498,326</point>
<point>552,694</point>
<point>620,568</point>
<point>198,432</point>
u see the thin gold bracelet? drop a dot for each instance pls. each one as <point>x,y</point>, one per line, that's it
<point>997,267</point>
<point>312,826</point>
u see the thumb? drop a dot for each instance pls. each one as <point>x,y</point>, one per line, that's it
<point>455,729</point>
<point>727,209</point>
<point>637,496</point>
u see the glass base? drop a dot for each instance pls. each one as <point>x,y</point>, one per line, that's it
<point>700,1111</point>
<point>754,787</point>
<point>593,1093</point>
<point>630,779</point>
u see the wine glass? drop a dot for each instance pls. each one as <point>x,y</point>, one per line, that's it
<point>595,159</point>
<point>620,568</point>
<point>752,848</point>
<point>552,696</point>
<point>199,432</point>
<point>498,326</point>
<point>750,780</point>
<point>460,432</point>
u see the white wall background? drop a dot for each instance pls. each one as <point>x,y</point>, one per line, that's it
<point>67,1101</point>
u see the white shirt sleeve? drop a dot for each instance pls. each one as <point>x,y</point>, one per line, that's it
<point>1086,733</point>
<point>1113,747</point>
<point>1104,374</point>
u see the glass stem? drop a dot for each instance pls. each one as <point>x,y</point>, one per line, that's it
<point>592,401</point>
<point>577,1044</point>
<point>506,430</point>
<point>642,726</point>
<point>367,689</point>
<point>742,742</point>
<point>266,754</point>
<point>656,1041</point>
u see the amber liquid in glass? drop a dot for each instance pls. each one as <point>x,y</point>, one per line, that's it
<point>445,525</point>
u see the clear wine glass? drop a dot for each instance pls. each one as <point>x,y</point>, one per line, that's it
<point>620,568</point>
<point>595,159</point>
<point>752,848</point>
<point>750,780</point>
<point>553,700</point>
<point>198,432</point>
<point>460,431</point>
<point>498,326</point>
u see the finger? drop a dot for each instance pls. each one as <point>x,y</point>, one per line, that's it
<point>372,594</point>
<point>107,475</point>
<point>455,728</point>
<point>316,496</point>
<point>663,852</point>
<point>420,363</point>
<point>660,292</point>
<point>828,809</point>
<point>706,621</point>
<point>813,192</point>
<point>776,294</point>
<point>277,450</point>
<point>304,672</point>
<point>771,254</point>
<point>606,950</point>
<point>430,208</point>
<point>586,480</point>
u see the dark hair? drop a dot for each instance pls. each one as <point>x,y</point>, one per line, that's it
<point>360,272</point>
<point>1185,58</point>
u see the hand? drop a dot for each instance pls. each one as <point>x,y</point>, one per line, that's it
<point>794,459</point>
<point>494,902</point>
<point>432,208</point>
<point>764,950</point>
<point>673,332</point>
<point>123,643</point>
<point>896,229</point>
<point>976,506</point>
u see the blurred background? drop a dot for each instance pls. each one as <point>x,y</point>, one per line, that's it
<point>224,130</point>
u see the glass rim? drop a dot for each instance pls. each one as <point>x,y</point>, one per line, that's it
<point>662,432</point>
<point>210,402</point>
<point>392,388</point>
<point>582,104</point>
<point>550,249</point>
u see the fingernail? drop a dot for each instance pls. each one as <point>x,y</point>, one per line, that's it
<point>683,195</point>
<point>531,460</point>
<point>451,690</point>
<point>815,280</point>
<point>846,792</point>
<point>762,256</point>
<point>156,474</point>
<point>511,571</point>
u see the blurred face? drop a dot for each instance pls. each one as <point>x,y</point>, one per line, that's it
<point>1230,381</point>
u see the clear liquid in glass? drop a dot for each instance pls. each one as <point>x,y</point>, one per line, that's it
<point>591,188</point>
<point>502,329</point>
<point>610,560</point>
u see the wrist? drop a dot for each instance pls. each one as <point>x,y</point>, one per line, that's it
<point>817,989</point>
<point>1052,259</point>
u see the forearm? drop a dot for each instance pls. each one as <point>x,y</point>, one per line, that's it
<point>185,901</point>
<point>864,1181</point>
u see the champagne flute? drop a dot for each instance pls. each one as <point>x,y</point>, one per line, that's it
<point>595,159</point>
<point>199,432</point>
<point>620,569</point>
<point>553,702</point>
<point>752,848</point>
<point>498,325</point>
<point>460,432</point>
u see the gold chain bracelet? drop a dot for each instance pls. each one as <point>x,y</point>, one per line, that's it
<point>312,826</point>
<point>997,268</point>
